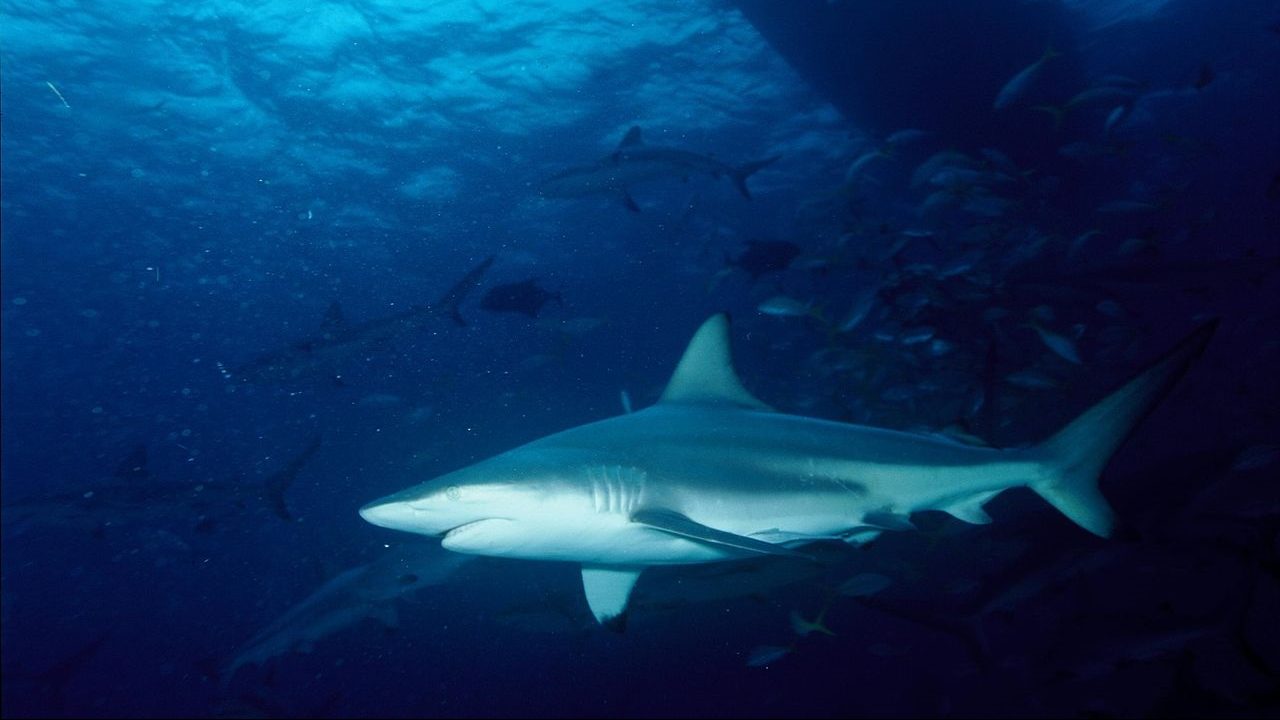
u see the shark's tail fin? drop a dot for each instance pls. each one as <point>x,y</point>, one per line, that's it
<point>741,174</point>
<point>449,302</point>
<point>1073,458</point>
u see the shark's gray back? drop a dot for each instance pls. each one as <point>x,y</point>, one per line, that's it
<point>688,455</point>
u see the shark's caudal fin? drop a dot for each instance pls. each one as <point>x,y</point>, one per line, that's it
<point>449,302</point>
<point>1074,457</point>
<point>741,174</point>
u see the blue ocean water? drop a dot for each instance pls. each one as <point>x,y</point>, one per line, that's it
<point>230,232</point>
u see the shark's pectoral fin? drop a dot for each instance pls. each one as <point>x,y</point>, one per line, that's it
<point>670,521</point>
<point>608,588</point>
<point>629,201</point>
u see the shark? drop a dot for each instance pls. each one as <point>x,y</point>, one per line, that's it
<point>710,473</point>
<point>635,162</point>
<point>367,591</point>
<point>338,341</point>
<point>133,497</point>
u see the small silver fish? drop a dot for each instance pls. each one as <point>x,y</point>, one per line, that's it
<point>1018,85</point>
<point>783,306</point>
<point>803,627</point>
<point>917,335</point>
<point>765,654</point>
<point>861,306</point>
<point>1031,379</point>
<point>1061,345</point>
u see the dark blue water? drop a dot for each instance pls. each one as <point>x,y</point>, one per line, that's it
<point>188,188</point>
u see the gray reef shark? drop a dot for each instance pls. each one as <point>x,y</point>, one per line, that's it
<point>133,497</point>
<point>365,591</point>
<point>710,473</point>
<point>339,341</point>
<point>634,162</point>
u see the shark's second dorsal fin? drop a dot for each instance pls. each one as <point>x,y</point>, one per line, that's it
<point>705,373</point>
<point>333,318</point>
<point>631,139</point>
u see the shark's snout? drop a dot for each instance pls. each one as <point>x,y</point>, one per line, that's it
<point>384,514</point>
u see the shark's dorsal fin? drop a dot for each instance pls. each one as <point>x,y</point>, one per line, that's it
<point>608,588</point>
<point>333,318</point>
<point>631,139</point>
<point>705,373</point>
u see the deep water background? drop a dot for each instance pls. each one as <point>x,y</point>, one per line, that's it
<point>186,187</point>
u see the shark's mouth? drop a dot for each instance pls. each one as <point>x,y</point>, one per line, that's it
<point>453,533</point>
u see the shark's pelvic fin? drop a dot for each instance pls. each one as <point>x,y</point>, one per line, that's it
<point>608,588</point>
<point>670,521</point>
<point>705,373</point>
<point>1074,458</point>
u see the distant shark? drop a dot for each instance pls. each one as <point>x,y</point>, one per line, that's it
<point>710,473</point>
<point>363,592</point>
<point>131,493</point>
<point>338,342</point>
<point>635,162</point>
<point>525,297</point>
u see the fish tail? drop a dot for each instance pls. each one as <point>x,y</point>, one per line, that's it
<point>741,174</point>
<point>1072,460</point>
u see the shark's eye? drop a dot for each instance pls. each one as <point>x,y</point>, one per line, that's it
<point>453,492</point>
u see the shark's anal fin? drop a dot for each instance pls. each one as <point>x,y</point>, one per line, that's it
<point>970,509</point>
<point>670,521</point>
<point>608,588</point>
<point>705,374</point>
